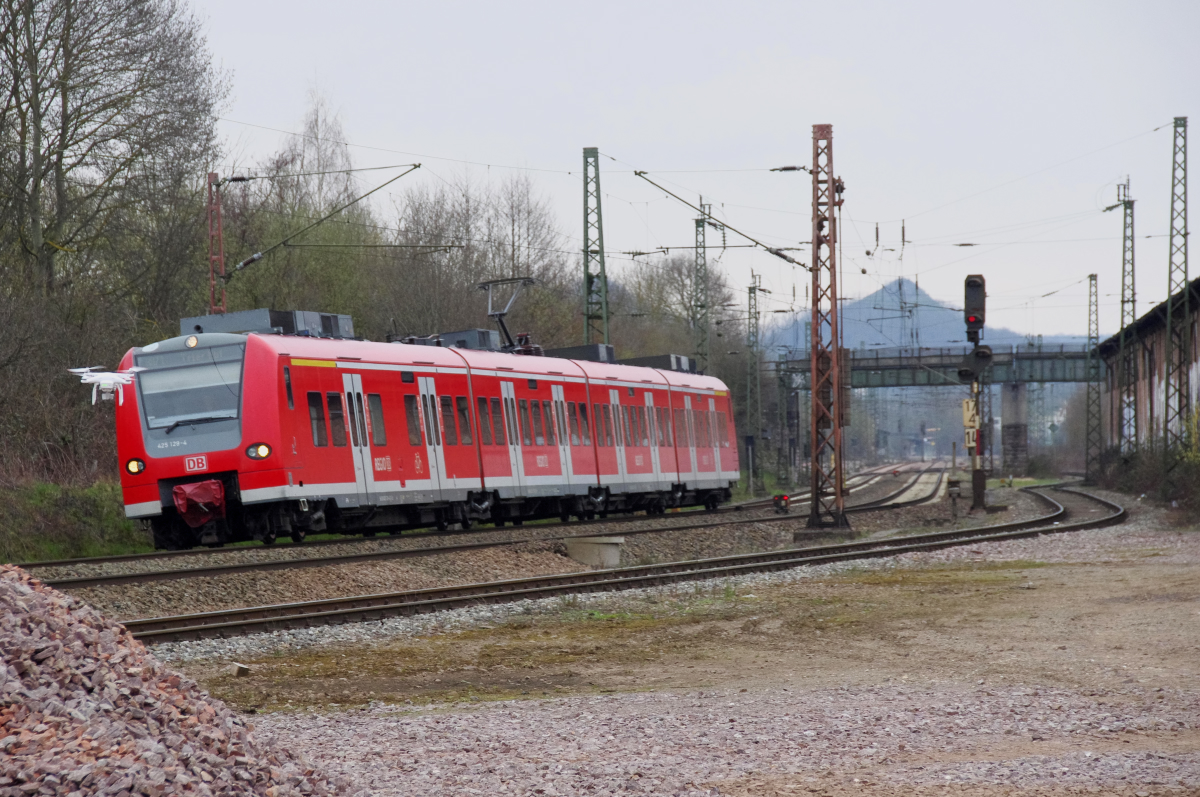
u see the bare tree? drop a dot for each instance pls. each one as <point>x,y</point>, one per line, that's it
<point>96,93</point>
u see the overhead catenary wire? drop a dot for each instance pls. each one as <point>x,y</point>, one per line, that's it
<point>254,258</point>
<point>773,250</point>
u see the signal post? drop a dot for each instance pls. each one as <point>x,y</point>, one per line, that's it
<point>979,358</point>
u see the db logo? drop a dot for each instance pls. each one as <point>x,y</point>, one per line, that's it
<point>192,464</point>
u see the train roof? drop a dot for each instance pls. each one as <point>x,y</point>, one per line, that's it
<point>407,354</point>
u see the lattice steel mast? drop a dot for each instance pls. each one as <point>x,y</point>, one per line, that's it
<point>701,315</point>
<point>595,280</point>
<point>216,245</point>
<point>828,502</point>
<point>753,385</point>
<point>1127,360</point>
<point>1177,402</point>
<point>1094,439</point>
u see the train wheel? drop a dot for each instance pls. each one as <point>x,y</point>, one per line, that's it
<point>298,535</point>
<point>441,524</point>
<point>269,538</point>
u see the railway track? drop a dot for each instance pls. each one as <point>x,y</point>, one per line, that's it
<point>888,501</point>
<point>855,482</point>
<point>1077,511</point>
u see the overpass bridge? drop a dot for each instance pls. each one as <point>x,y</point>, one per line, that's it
<point>1013,369</point>
<point>938,367</point>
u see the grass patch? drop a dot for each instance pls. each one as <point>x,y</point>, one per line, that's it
<point>590,649</point>
<point>48,521</point>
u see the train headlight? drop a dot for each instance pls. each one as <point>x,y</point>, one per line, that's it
<point>135,466</point>
<point>191,341</point>
<point>258,451</point>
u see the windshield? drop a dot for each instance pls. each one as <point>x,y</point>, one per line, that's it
<point>185,385</point>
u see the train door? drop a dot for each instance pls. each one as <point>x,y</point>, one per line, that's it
<point>653,431</point>
<point>563,438</point>
<point>433,433</point>
<point>614,396</point>
<point>509,394</point>
<point>359,445</point>
<point>689,438</point>
<point>714,434</point>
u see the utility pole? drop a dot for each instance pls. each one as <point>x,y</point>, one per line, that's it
<point>1093,437</point>
<point>701,316</point>
<point>828,504</point>
<point>595,279</point>
<point>1176,404</point>
<point>216,245</point>
<point>1127,360</point>
<point>753,386</point>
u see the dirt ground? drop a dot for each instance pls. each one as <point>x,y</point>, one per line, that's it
<point>1119,622</point>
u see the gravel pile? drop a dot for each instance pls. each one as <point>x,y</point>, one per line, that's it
<point>84,709</point>
<point>693,743</point>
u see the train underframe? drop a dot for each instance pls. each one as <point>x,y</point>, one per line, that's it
<point>269,521</point>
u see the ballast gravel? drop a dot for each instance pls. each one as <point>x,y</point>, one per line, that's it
<point>697,742</point>
<point>84,709</point>
<point>1094,545</point>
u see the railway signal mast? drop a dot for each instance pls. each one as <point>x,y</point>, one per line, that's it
<point>973,366</point>
<point>828,504</point>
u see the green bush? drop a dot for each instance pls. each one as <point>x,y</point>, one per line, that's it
<point>48,521</point>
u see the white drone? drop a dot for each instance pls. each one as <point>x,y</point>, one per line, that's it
<point>106,383</point>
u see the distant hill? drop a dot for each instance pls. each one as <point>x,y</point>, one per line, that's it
<point>899,314</point>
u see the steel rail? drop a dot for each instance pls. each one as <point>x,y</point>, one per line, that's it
<point>868,475</point>
<point>378,607</point>
<point>115,579</point>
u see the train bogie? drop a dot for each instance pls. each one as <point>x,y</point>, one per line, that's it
<point>228,437</point>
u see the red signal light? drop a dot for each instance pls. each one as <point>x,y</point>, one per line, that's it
<point>972,318</point>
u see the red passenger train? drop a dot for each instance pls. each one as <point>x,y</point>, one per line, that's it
<point>226,437</point>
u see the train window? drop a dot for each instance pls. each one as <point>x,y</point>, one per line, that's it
<point>485,425</point>
<point>630,392</point>
<point>432,427</point>
<point>539,435</point>
<point>705,435</point>
<point>510,406</point>
<point>713,429</point>
<point>608,426</point>
<point>641,424</point>
<point>378,431</point>
<point>525,422</point>
<point>629,429</point>
<point>407,377</point>
<point>449,433</point>
<point>337,419</point>
<point>670,433</point>
<point>316,417</point>
<point>533,384</point>
<point>287,383</point>
<point>585,432</point>
<point>659,431</point>
<point>350,413</point>
<point>562,422</point>
<point>599,415</point>
<point>362,419</point>
<point>498,422</point>
<point>464,419</point>
<point>548,413</point>
<point>681,430</point>
<point>573,415</point>
<point>413,417</point>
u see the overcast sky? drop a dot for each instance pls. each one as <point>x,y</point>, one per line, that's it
<point>1004,124</point>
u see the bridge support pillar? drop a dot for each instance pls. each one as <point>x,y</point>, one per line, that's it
<point>1014,427</point>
